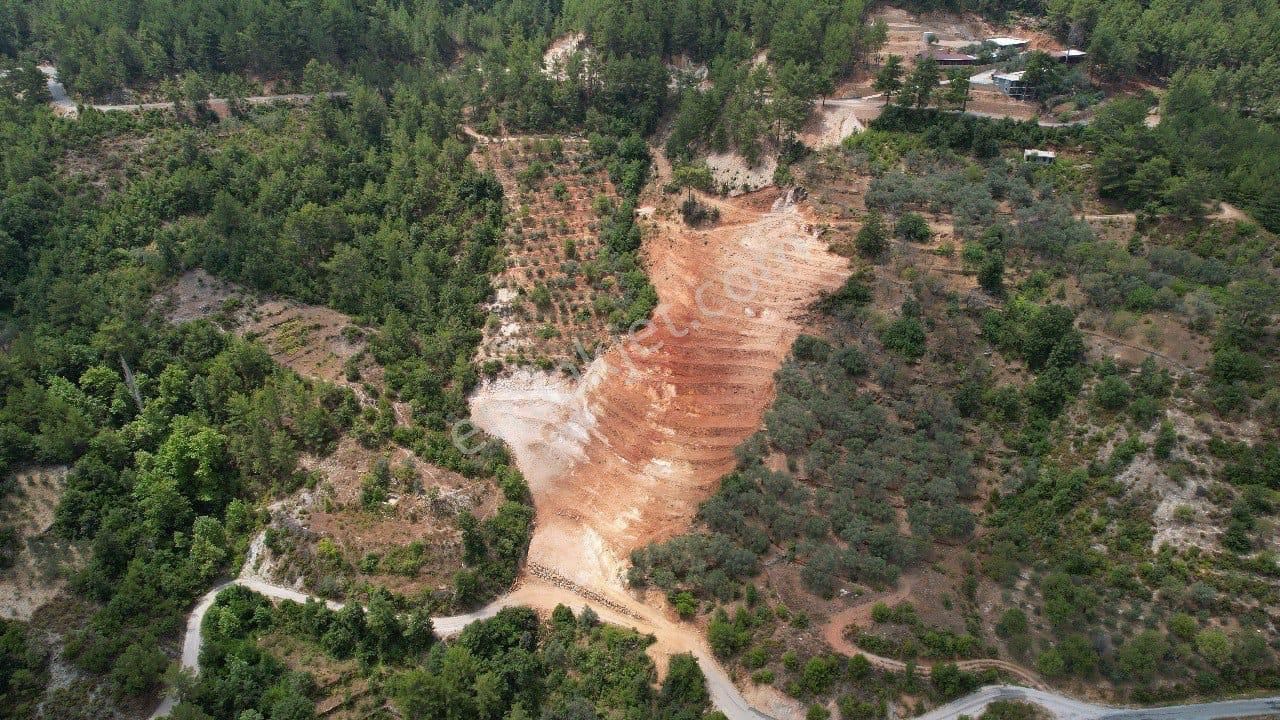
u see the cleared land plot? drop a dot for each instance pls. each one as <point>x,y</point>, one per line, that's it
<point>554,294</point>
<point>667,409</point>
<point>335,538</point>
<point>327,537</point>
<point>37,562</point>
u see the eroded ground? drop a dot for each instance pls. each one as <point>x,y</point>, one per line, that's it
<point>622,456</point>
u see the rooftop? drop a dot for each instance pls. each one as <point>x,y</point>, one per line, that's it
<point>943,55</point>
<point>1007,41</point>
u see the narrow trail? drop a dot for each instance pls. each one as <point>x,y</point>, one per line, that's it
<point>860,615</point>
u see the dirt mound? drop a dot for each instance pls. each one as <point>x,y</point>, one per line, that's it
<point>732,172</point>
<point>835,120</point>
<point>557,55</point>
<point>667,406</point>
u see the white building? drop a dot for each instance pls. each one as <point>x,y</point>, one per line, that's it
<point>1007,43</point>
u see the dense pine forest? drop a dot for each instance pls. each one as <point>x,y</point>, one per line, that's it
<point>916,428</point>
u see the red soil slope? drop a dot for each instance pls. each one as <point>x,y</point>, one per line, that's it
<point>658,415</point>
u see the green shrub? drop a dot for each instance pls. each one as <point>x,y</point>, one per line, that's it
<point>873,238</point>
<point>852,360</point>
<point>1112,393</point>
<point>808,348</point>
<point>1183,626</point>
<point>686,605</point>
<point>991,273</point>
<point>913,227</point>
<point>1166,440</point>
<point>1050,664</point>
<point>905,336</point>
<point>1012,622</point>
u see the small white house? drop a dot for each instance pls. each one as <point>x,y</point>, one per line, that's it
<point>1070,56</point>
<point>1011,84</point>
<point>1042,157</point>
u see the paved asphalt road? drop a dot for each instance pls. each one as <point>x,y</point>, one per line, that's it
<point>1065,708</point>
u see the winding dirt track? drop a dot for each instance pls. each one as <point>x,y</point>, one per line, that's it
<point>860,615</point>
<point>536,593</point>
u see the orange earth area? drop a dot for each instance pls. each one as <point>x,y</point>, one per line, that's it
<point>623,455</point>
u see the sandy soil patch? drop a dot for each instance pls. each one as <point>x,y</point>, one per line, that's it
<point>997,104</point>
<point>666,408</point>
<point>1114,227</point>
<point>557,55</point>
<point>544,417</point>
<point>953,30</point>
<point>732,172</point>
<point>41,561</point>
<point>906,31</point>
<point>835,120</point>
<point>1129,340</point>
<point>1229,213</point>
<point>771,700</point>
<point>1181,515</point>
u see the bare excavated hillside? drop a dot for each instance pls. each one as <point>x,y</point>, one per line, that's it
<point>624,455</point>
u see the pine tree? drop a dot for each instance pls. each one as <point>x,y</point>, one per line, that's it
<point>889,79</point>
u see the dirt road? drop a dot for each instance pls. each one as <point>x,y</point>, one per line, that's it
<point>724,695</point>
<point>1061,707</point>
<point>64,105</point>
<point>538,594</point>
